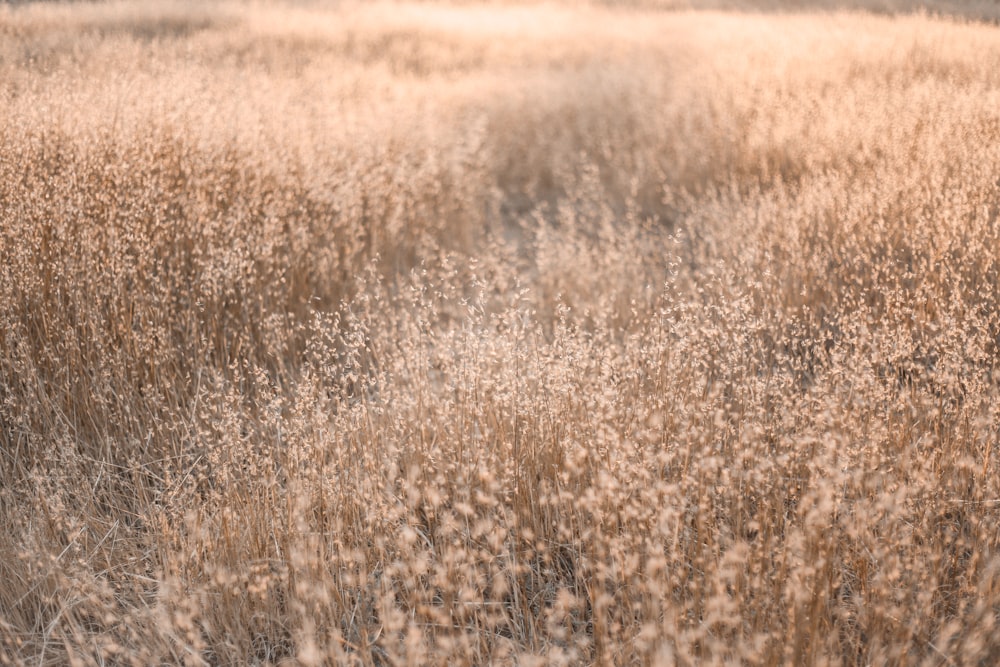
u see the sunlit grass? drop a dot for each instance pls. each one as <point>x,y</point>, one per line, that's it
<point>555,334</point>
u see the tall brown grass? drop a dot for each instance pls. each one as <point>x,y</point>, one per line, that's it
<point>528,334</point>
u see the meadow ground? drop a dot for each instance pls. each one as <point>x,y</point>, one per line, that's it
<point>498,334</point>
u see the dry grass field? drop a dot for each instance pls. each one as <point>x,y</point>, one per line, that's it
<point>499,334</point>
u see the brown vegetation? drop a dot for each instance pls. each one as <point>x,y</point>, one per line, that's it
<point>426,334</point>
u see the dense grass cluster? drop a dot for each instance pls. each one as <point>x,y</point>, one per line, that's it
<point>426,334</point>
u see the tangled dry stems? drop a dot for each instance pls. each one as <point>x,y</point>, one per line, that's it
<point>402,334</point>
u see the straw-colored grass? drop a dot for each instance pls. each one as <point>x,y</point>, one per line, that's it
<point>498,334</point>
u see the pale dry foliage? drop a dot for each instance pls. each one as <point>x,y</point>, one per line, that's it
<point>528,334</point>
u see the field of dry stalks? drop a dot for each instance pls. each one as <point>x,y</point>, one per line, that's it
<point>498,334</point>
